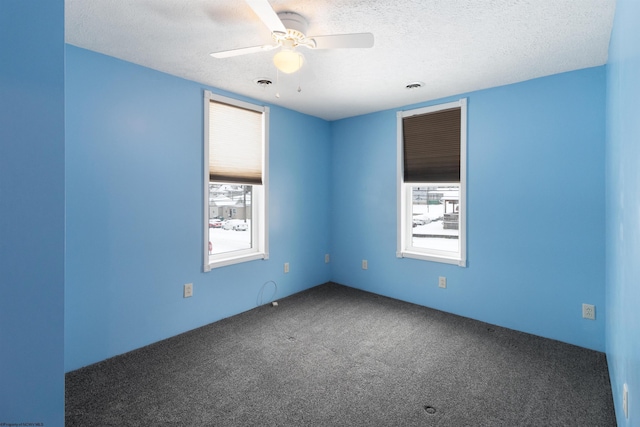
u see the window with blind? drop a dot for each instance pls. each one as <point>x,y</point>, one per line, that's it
<point>235,181</point>
<point>432,183</point>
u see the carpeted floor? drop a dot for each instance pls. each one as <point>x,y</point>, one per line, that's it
<point>336,356</point>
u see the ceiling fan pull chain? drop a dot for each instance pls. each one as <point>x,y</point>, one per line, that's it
<point>299,78</point>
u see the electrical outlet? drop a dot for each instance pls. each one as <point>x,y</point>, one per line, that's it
<point>589,311</point>
<point>326,259</point>
<point>188,290</point>
<point>442,282</point>
<point>365,264</point>
<point>286,267</point>
<point>625,400</point>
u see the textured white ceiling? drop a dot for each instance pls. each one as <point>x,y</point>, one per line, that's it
<point>453,46</point>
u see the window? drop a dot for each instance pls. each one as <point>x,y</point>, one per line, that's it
<point>235,181</point>
<point>432,183</point>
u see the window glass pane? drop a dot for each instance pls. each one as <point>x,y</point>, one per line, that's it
<point>435,217</point>
<point>230,216</point>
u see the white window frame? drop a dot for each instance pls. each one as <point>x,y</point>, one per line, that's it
<point>259,194</point>
<point>405,249</point>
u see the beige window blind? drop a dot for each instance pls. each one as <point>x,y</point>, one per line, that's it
<point>235,144</point>
<point>432,146</point>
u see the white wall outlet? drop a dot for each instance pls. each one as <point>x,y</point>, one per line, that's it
<point>625,400</point>
<point>326,258</point>
<point>589,311</point>
<point>286,267</point>
<point>365,264</point>
<point>188,290</point>
<point>442,282</point>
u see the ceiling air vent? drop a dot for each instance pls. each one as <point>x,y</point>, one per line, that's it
<point>414,85</point>
<point>263,82</point>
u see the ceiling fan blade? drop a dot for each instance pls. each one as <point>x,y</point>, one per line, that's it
<point>242,51</point>
<point>340,41</point>
<point>265,12</point>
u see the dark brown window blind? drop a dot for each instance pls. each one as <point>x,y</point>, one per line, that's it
<point>235,144</point>
<point>432,146</point>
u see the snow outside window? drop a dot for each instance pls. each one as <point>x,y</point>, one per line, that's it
<point>432,183</point>
<point>235,181</point>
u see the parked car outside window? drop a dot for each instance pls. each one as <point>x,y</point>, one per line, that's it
<point>235,224</point>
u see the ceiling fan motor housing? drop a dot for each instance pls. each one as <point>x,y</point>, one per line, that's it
<point>296,27</point>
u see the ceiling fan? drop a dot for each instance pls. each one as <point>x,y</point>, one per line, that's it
<point>288,30</point>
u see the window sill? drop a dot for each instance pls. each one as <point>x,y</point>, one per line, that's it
<point>435,258</point>
<point>223,262</point>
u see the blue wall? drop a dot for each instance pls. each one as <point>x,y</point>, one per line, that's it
<point>535,210</point>
<point>623,209</point>
<point>134,210</point>
<point>32,212</point>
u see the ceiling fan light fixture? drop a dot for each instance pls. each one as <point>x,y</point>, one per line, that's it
<point>288,61</point>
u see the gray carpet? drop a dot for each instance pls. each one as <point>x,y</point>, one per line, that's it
<point>336,356</point>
